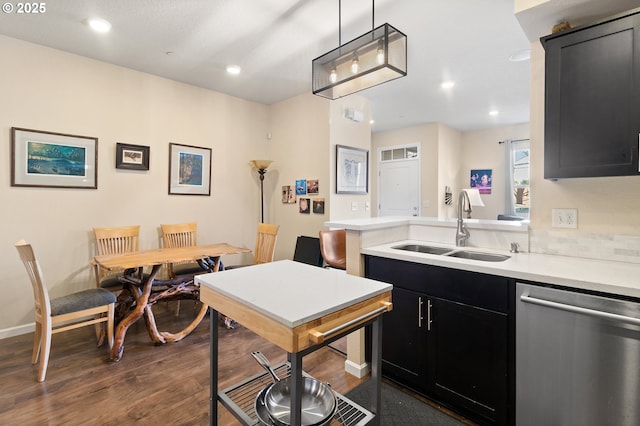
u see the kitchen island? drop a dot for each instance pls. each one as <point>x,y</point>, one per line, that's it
<point>298,307</point>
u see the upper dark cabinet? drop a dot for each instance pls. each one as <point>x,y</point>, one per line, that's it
<point>592,99</point>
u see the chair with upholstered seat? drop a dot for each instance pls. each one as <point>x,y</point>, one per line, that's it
<point>83,308</point>
<point>118,240</point>
<point>333,246</point>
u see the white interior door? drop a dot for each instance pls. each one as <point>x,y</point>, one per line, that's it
<point>399,181</point>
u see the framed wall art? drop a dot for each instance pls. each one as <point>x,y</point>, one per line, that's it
<point>132,157</point>
<point>49,159</point>
<point>189,170</point>
<point>352,170</point>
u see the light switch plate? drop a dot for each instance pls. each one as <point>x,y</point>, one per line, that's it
<point>564,218</point>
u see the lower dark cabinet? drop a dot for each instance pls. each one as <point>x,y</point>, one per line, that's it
<point>405,363</point>
<point>467,358</point>
<point>448,337</point>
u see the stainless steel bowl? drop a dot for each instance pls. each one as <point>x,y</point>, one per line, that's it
<point>318,406</point>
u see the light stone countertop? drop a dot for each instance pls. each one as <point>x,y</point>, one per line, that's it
<point>292,293</point>
<point>588,274</point>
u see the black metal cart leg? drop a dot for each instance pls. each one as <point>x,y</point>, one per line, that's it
<point>213,367</point>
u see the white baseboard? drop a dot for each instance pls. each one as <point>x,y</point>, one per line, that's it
<point>17,331</point>
<point>358,370</point>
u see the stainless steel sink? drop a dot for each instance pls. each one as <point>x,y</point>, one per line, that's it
<point>423,249</point>
<point>475,255</point>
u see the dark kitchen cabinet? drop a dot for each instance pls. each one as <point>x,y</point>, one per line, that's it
<point>592,99</point>
<point>449,337</point>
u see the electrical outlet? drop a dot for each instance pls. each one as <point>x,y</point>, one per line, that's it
<point>564,218</point>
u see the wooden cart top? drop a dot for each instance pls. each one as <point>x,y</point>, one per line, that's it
<point>293,304</point>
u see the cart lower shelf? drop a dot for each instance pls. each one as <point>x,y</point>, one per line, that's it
<point>240,400</point>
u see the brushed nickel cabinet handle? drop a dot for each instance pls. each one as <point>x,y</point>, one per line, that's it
<point>428,315</point>
<point>420,312</point>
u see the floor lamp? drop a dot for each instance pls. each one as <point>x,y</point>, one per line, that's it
<point>261,166</point>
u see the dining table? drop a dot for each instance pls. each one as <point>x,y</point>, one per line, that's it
<point>143,290</point>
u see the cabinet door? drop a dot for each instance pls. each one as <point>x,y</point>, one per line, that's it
<point>404,340</point>
<point>592,102</point>
<point>467,358</point>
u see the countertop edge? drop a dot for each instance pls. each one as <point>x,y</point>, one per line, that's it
<point>611,277</point>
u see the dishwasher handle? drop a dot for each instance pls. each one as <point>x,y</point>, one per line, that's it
<point>580,310</point>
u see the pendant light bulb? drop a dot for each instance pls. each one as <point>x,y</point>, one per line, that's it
<point>380,56</point>
<point>333,77</point>
<point>355,66</point>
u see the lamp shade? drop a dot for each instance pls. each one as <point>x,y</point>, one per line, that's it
<point>371,59</point>
<point>260,164</point>
<point>474,197</point>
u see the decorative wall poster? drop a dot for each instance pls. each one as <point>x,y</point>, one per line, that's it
<point>304,205</point>
<point>301,186</point>
<point>481,180</point>
<point>312,186</point>
<point>318,205</point>
<point>288,195</point>
<point>132,157</point>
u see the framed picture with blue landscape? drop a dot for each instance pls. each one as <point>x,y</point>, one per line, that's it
<point>189,170</point>
<point>49,159</point>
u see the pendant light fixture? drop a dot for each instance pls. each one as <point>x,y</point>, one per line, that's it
<point>366,61</point>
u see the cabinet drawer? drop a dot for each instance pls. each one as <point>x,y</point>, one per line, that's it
<point>476,289</point>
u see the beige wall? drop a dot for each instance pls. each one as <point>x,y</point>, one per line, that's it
<point>481,150</point>
<point>46,89</point>
<point>353,134</point>
<point>299,145</point>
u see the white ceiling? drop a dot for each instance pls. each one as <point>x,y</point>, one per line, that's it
<point>274,41</point>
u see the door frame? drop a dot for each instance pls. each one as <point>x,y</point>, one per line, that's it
<point>418,159</point>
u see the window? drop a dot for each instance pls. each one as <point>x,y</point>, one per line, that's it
<point>520,177</point>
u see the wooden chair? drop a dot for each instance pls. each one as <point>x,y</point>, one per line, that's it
<point>180,235</point>
<point>265,243</point>
<point>118,240</point>
<point>333,246</point>
<point>64,313</point>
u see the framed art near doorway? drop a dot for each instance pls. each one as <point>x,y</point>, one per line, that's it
<point>49,159</point>
<point>352,170</point>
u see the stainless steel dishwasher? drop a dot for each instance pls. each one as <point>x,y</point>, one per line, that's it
<point>577,358</point>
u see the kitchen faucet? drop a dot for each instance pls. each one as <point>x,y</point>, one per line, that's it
<point>462,233</point>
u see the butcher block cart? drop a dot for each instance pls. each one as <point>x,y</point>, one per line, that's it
<point>299,308</point>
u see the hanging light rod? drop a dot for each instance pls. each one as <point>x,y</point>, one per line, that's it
<point>366,61</point>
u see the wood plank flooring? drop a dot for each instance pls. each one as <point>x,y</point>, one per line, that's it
<point>151,385</point>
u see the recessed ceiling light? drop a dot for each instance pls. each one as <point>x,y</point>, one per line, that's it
<point>448,84</point>
<point>522,55</point>
<point>100,25</point>
<point>372,121</point>
<point>233,69</point>
<point>494,112</point>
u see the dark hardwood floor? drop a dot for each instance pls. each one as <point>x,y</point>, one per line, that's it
<point>151,385</point>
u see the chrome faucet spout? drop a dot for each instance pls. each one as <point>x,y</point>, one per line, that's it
<point>462,233</point>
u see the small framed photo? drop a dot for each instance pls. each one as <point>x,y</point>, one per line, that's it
<point>304,205</point>
<point>301,186</point>
<point>312,186</point>
<point>352,170</point>
<point>288,195</point>
<point>48,159</point>
<point>189,170</point>
<point>132,157</point>
<point>318,205</point>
